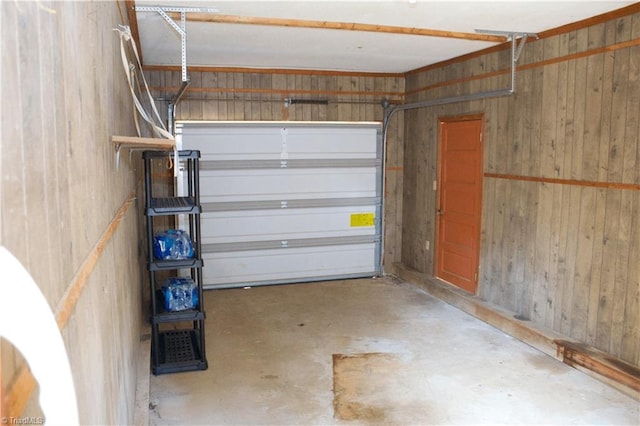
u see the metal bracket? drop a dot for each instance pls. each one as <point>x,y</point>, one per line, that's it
<point>516,48</point>
<point>180,29</point>
<point>182,32</point>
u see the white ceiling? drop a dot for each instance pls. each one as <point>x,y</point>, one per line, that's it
<point>257,46</point>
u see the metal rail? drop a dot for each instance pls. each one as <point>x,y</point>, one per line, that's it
<point>516,49</point>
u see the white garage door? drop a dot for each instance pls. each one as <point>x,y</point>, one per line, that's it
<point>287,202</point>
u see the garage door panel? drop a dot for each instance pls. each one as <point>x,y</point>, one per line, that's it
<point>264,225</point>
<point>271,141</point>
<point>255,144</point>
<point>331,143</point>
<point>286,184</point>
<point>273,266</point>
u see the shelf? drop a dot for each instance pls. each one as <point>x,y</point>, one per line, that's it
<point>184,349</point>
<point>184,154</point>
<point>172,205</point>
<point>188,315</point>
<point>163,316</point>
<point>146,143</point>
<point>180,350</point>
<point>163,265</point>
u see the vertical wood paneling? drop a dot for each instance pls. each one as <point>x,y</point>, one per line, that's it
<point>594,284</point>
<point>548,136</point>
<point>520,227</point>
<point>551,280</point>
<point>33,182</point>
<point>411,216</point>
<point>12,176</point>
<point>628,342</point>
<point>631,333</point>
<point>559,160</point>
<point>545,247</point>
<point>563,256</point>
<point>60,190</point>
<point>569,220</point>
<point>598,102</point>
<point>209,102</point>
<point>498,215</point>
<point>392,238</point>
<point>53,234</point>
<point>485,243</point>
<point>631,171</point>
<point>610,255</point>
<point>572,281</point>
<point>542,265</point>
<point>195,108</point>
<point>593,107</point>
<point>599,324</point>
<point>553,195</point>
<point>560,229</point>
<point>580,82</point>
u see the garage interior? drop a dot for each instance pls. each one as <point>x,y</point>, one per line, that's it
<point>539,323</point>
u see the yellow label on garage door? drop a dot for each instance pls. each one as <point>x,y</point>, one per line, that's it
<point>362,219</point>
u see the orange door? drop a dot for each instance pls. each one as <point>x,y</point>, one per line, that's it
<point>459,201</point>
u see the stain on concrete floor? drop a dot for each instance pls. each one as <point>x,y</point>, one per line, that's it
<point>357,380</point>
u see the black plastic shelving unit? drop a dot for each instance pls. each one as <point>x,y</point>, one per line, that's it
<point>177,338</point>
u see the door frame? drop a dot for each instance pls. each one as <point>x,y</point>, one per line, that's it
<point>442,121</point>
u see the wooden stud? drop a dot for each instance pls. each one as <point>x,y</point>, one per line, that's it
<point>271,71</point>
<point>133,25</point>
<point>345,26</point>
<point>72,294</point>
<point>580,355</point>
<point>573,182</point>
<point>293,90</point>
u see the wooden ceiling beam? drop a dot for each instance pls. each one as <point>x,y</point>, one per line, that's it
<point>345,26</point>
<point>133,25</point>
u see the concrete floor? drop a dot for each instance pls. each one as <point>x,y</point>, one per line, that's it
<point>371,351</point>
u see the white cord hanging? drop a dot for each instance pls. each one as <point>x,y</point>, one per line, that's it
<point>154,120</point>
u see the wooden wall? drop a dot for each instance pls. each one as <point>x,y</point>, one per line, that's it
<point>67,214</point>
<point>560,243</point>
<point>243,96</point>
